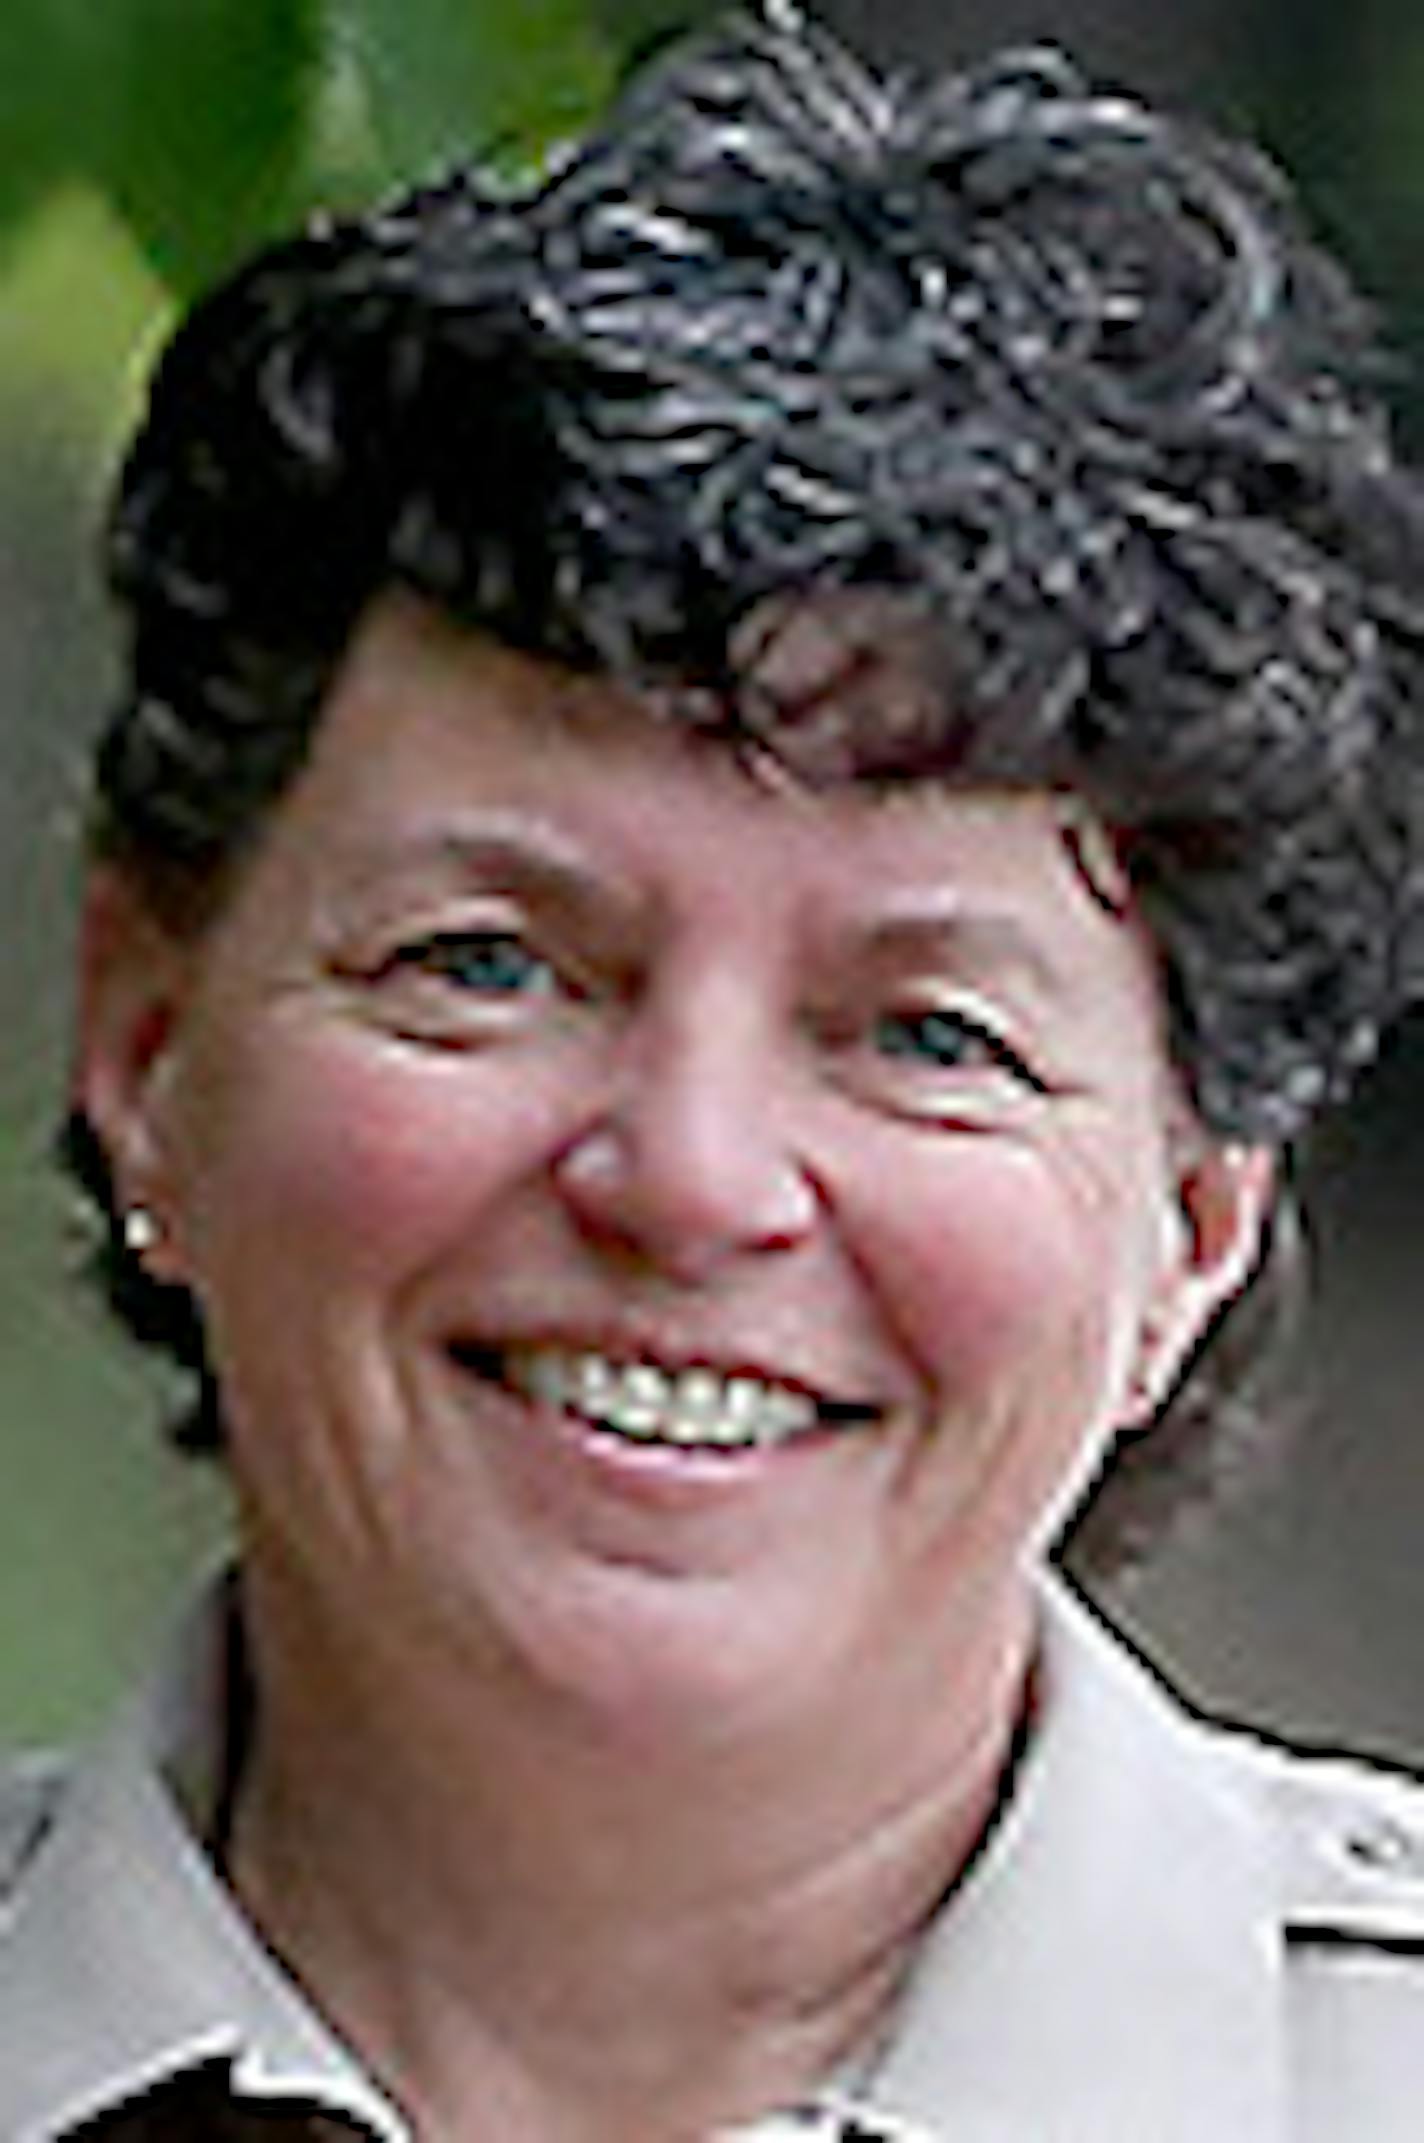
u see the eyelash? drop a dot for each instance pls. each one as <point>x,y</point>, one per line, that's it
<point>442,953</point>
<point>892,1029</point>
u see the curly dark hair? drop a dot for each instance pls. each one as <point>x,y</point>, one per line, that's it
<point>1054,377</point>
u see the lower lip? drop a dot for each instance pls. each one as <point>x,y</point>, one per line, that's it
<point>665,1474</point>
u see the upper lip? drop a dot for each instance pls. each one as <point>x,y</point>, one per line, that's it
<point>626,1350</point>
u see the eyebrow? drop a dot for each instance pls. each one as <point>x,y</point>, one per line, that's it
<point>986,940</point>
<point>509,851</point>
<point>495,852</point>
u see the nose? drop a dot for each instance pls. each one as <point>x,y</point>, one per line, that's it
<point>694,1163</point>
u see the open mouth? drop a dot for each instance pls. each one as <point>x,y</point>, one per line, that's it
<point>690,1409</point>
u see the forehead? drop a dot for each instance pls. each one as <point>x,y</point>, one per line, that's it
<point>441,754</point>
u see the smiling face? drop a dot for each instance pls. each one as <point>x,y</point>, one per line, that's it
<point>679,1237</point>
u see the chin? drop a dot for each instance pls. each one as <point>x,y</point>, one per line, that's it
<point>679,1661</point>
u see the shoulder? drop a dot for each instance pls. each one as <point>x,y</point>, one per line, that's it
<point>31,1792</point>
<point>1346,1839</point>
<point>1316,1862</point>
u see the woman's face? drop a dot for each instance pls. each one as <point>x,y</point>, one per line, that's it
<point>682,1237</point>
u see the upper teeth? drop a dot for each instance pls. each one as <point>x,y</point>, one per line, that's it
<point>639,1400</point>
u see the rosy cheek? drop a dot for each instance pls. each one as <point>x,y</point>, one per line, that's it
<point>979,1260</point>
<point>363,1146</point>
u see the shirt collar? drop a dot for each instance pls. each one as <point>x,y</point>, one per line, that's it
<point>126,1961</point>
<point>1113,1956</point>
<point>1112,1969</point>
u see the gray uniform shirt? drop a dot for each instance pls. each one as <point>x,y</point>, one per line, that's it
<point>1174,1935</point>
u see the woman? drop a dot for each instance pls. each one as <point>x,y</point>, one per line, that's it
<point>759,786</point>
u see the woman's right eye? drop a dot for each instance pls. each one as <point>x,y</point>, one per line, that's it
<point>487,963</point>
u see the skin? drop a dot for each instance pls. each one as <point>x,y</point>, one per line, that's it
<point>588,1781</point>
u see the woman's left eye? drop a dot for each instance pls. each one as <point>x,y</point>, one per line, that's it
<point>943,1039</point>
<point>494,963</point>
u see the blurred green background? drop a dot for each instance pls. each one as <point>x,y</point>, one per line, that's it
<point>144,145</point>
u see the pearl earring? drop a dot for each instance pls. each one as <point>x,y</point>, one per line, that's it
<point>140,1230</point>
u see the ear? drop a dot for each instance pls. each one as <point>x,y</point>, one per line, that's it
<point>1224,1195</point>
<point>132,979</point>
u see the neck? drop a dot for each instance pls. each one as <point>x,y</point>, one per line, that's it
<point>498,1909</point>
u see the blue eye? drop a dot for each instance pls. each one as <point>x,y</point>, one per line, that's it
<point>943,1039</point>
<point>493,963</point>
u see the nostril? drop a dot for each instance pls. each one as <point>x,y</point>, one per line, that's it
<point>685,1188</point>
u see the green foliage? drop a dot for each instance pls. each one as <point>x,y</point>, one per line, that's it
<point>636,25</point>
<point>37,90</point>
<point>202,121</point>
<point>444,78</point>
<point>209,123</point>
